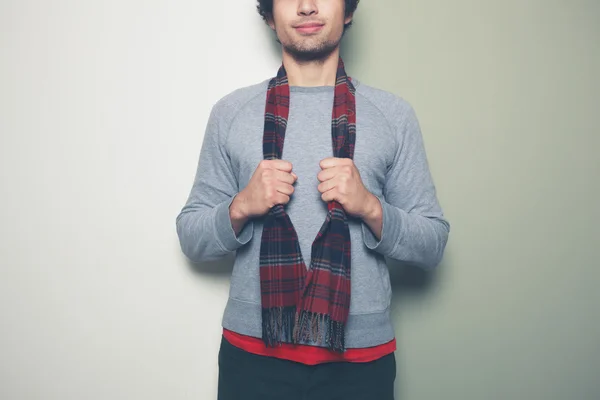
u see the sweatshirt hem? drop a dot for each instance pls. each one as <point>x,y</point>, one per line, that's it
<point>362,330</point>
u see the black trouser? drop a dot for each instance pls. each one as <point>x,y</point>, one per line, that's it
<point>247,376</point>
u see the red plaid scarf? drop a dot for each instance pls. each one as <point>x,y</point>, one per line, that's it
<point>301,305</point>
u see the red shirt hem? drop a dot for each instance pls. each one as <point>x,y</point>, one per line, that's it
<point>309,355</point>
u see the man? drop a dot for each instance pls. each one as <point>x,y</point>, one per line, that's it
<point>311,222</point>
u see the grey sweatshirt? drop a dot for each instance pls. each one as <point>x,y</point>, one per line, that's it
<point>392,163</point>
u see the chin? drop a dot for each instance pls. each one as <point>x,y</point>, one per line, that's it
<point>313,53</point>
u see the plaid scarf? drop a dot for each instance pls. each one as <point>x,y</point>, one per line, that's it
<point>301,305</point>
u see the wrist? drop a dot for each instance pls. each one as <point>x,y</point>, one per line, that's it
<point>372,208</point>
<point>237,211</point>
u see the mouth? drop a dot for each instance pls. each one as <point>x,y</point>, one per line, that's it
<point>309,27</point>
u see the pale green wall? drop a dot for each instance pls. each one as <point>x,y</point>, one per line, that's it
<point>507,96</point>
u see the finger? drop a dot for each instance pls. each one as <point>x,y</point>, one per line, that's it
<point>328,173</point>
<point>329,195</point>
<point>282,199</point>
<point>327,185</point>
<point>284,188</point>
<point>334,162</point>
<point>285,177</point>
<point>328,162</point>
<point>282,165</point>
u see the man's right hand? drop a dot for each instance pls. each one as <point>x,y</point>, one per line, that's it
<point>271,184</point>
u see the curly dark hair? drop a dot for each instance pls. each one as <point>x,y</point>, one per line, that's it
<point>265,9</point>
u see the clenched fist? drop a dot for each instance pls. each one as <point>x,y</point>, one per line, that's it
<point>271,184</point>
<point>341,181</point>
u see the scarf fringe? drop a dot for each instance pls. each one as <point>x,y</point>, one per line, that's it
<point>284,324</point>
<point>278,325</point>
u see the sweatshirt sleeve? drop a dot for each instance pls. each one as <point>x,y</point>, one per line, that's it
<point>414,228</point>
<point>203,225</point>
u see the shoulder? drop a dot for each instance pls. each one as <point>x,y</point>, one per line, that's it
<point>393,107</point>
<point>228,106</point>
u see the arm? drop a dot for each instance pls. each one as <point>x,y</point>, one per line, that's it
<point>408,224</point>
<point>205,225</point>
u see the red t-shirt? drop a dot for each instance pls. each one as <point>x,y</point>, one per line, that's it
<point>309,355</point>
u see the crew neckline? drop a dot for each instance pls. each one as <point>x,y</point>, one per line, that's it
<point>311,89</point>
<point>317,89</point>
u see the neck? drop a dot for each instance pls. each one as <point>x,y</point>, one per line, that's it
<point>311,73</point>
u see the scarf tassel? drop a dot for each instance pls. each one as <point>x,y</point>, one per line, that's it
<point>284,324</point>
<point>278,325</point>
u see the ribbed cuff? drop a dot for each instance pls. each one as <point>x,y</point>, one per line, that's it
<point>390,230</point>
<point>224,231</point>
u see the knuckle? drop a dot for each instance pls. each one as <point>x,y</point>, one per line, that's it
<point>266,164</point>
<point>265,174</point>
<point>269,194</point>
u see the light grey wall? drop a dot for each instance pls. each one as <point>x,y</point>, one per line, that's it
<point>102,111</point>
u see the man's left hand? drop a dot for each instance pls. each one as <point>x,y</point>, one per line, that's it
<point>341,181</point>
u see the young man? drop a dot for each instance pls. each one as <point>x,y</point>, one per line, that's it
<point>311,222</point>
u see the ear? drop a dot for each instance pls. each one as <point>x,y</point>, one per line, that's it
<point>270,21</point>
<point>348,18</point>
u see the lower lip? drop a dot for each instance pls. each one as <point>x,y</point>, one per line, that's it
<point>309,29</point>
